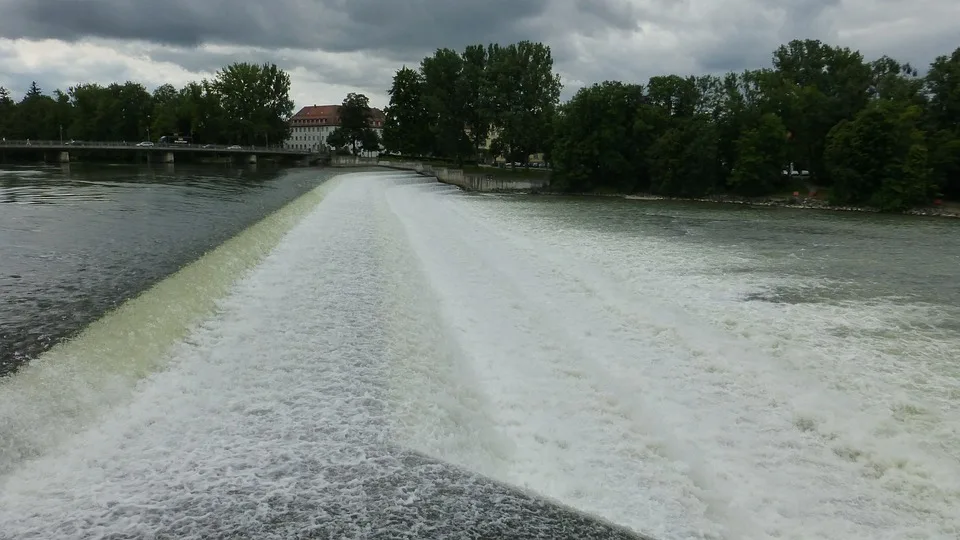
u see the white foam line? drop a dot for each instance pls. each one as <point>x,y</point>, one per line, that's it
<point>69,386</point>
<point>742,416</point>
<point>260,405</point>
<point>573,439</point>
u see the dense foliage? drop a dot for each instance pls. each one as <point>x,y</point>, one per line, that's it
<point>354,133</point>
<point>868,132</point>
<point>244,103</point>
<point>454,102</point>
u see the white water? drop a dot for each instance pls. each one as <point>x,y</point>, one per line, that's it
<point>588,370</point>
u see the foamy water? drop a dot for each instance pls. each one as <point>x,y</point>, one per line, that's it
<point>627,376</point>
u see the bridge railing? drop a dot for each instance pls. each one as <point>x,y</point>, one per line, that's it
<point>66,145</point>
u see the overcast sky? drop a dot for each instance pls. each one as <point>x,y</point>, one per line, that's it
<point>331,47</point>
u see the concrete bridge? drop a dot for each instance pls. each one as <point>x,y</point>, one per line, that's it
<point>165,153</point>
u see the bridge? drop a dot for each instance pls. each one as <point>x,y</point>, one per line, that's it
<point>166,151</point>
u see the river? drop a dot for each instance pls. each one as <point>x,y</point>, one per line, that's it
<point>683,370</point>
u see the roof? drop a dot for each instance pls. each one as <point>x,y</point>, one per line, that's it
<point>329,115</point>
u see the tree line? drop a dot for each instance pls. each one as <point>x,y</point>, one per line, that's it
<point>454,102</point>
<point>243,103</point>
<point>868,132</point>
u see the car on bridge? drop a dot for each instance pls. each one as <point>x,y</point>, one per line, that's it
<point>145,144</point>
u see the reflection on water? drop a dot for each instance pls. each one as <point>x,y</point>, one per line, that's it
<point>76,240</point>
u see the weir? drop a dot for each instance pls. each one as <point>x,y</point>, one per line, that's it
<point>273,410</point>
<point>65,389</point>
<point>406,353</point>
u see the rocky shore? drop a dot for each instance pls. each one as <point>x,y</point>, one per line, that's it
<point>807,203</point>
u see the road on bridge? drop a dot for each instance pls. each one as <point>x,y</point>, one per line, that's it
<point>138,146</point>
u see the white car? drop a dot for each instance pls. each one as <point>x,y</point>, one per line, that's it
<point>145,144</point>
<point>233,147</point>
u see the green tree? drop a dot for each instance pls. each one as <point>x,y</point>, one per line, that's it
<point>407,129</point>
<point>942,85</point>
<point>7,112</point>
<point>370,141</point>
<point>256,102</point>
<point>761,155</point>
<point>35,116</point>
<point>598,140</point>
<point>337,139</point>
<point>474,92</point>
<point>165,118</point>
<point>895,81</point>
<point>445,104</point>
<point>829,84</point>
<point>676,95</point>
<point>355,125</point>
<point>683,160</point>
<point>880,158</point>
<point>524,93</point>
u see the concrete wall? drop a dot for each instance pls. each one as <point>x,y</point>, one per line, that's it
<point>456,177</point>
<point>466,181</point>
<point>352,161</point>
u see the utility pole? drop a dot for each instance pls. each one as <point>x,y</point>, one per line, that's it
<point>61,134</point>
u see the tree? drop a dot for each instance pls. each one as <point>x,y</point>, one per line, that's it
<point>7,111</point>
<point>683,160</point>
<point>761,155</point>
<point>407,128</point>
<point>255,100</point>
<point>942,85</point>
<point>165,118</point>
<point>355,130</point>
<point>474,92</point>
<point>446,108</point>
<point>524,95</point>
<point>828,84</point>
<point>337,139</point>
<point>676,95</point>
<point>370,141</point>
<point>892,80</point>
<point>597,140</point>
<point>451,106</point>
<point>35,116</point>
<point>880,158</point>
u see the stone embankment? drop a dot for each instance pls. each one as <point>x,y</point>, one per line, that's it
<point>457,177</point>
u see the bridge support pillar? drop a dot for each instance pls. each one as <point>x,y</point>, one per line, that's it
<point>252,158</point>
<point>64,157</point>
<point>168,157</point>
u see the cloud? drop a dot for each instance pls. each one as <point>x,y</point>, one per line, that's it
<point>332,47</point>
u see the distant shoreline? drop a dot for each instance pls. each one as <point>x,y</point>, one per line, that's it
<point>800,203</point>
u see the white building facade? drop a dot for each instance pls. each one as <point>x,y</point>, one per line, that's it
<point>311,126</point>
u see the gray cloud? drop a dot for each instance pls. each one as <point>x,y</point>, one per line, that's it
<point>592,40</point>
<point>332,25</point>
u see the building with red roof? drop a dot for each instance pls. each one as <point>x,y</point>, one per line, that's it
<point>311,126</point>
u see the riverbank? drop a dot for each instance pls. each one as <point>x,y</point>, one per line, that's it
<point>799,203</point>
<point>467,179</point>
